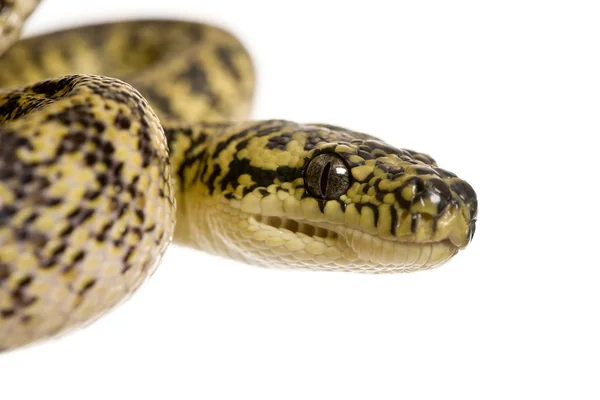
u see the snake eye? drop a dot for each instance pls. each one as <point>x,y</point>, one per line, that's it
<point>327,176</point>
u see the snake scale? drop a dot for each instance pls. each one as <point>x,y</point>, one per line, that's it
<point>94,173</point>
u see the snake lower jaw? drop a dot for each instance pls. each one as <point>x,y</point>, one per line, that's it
<point>287,242</point>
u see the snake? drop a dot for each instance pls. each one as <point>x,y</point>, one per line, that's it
<point>119,138</point>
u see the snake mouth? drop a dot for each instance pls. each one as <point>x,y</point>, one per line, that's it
<point>346,248</point>
<point>297,227</point>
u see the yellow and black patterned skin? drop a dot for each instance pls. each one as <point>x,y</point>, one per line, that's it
<point>98,175</point>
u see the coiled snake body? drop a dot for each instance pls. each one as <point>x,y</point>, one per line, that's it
<point>92,179</point>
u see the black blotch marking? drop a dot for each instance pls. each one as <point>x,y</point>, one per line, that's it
<point>394,222</point>
<point>101,236</point>
<point>197,77</point>
<point>159,101</point>
<point>150,228</point>
<point>87,287</point>
<point>375,213</point>
<point>193,155</point>
<point>79,257</point>
<point>225,57</point>
<point>313,138</point>
<point>262,178</point>
<point>100,126</point>
<point>6,213</point>
<point>80,215</point>
<point>90,159</point>
<point>280,141</point>
<point>54,87</point>
<point>128,254</point>
<point>122,121</point>
<point>4,273</point>
<point>368,178</point>
<point>419,187</point>
<point>52,202</point>
<point>137,232</point>
<point>140,214</point>
<point>92,194</point>
<point>59,250</point>
<point>213,177</point>
<point>19,295</point>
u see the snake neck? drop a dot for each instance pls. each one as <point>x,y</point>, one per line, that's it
<point>189,145</point>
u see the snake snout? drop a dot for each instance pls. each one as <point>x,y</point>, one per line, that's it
<point>435,206</point>
<point>468,198</point>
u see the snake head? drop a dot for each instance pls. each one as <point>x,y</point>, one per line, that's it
<point>399,210</point>
<point>320,196</point>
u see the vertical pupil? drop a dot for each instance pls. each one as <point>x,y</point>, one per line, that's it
<point>325,178</point>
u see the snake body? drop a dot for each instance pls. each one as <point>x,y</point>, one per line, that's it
<point>94,172</point>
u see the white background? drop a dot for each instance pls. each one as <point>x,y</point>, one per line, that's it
<point>506,94</point>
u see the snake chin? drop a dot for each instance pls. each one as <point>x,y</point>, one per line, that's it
<point>299,243</point>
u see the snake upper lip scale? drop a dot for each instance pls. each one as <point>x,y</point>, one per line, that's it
<point>95,172</point>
